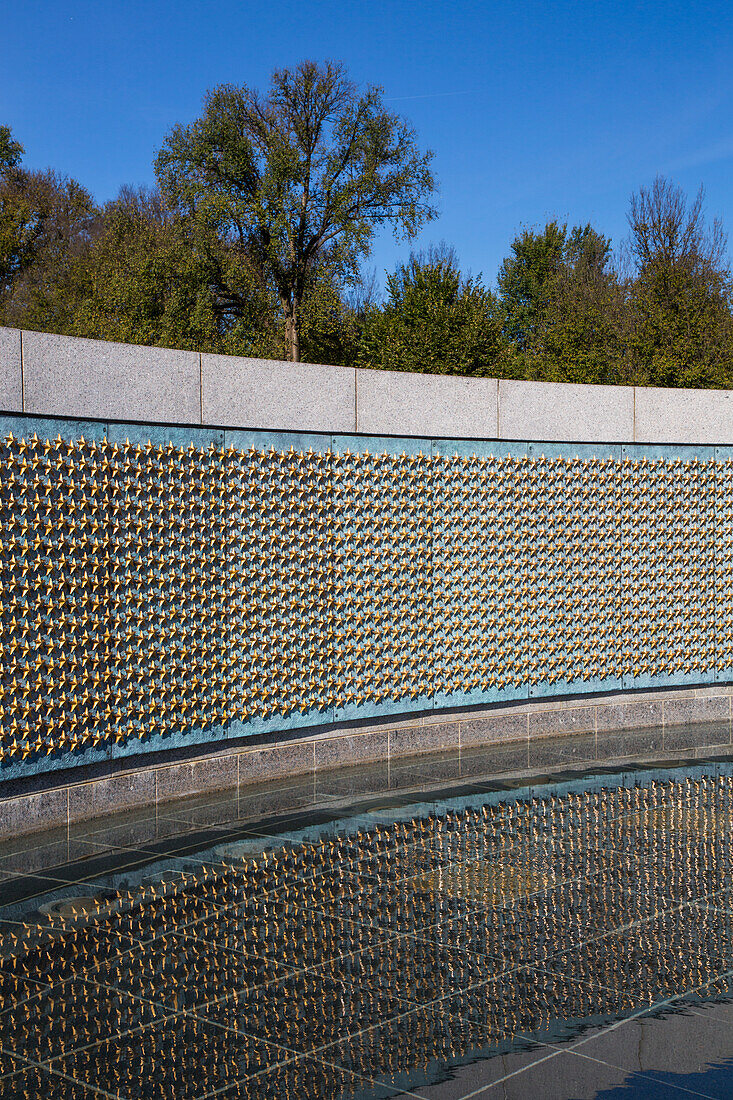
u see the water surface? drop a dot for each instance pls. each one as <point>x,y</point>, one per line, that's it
<point>566,935</point>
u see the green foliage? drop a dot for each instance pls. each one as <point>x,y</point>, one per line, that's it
<point>18,229</point>
<point>330,325</point>
<point>151,277</point>
<point>140,283</point>
<point>47,222</point>
<point>433,320</point>
<point>297,179</point>
<point>525,279</point>
<point>11,151</point>
<point>18,226</point>
<point>679,329</point>
<point>581,341</point>
<point>561,302</point>
<point>267,206</point>
<point>577,338</point>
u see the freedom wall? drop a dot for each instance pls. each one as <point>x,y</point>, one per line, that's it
<point>167,585</point>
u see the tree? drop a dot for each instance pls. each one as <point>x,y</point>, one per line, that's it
<point>10,150</point>
<point>151,277</point>
<point>433,320</point>
<point>525,279</point>
<point>141,282</point>
<point>16,221</point>
<point>581,335</point>
<point>562,305</point>
<point>297,178</point>
<point>679,290</point>
<point>46,223</point>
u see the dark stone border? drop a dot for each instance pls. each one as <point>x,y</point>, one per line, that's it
<point>545,733</point>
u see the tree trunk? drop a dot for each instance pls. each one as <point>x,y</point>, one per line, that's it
<point>292,334</point>
<point>295,341</point>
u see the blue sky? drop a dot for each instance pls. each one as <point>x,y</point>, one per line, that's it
<point>534,110</point>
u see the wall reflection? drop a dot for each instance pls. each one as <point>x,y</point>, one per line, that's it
<point>392,951</point>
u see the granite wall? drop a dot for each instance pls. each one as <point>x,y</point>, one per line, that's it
<point>45,374</point>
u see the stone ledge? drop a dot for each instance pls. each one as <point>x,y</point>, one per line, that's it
<point>544,733</point>
<point>73,376</point>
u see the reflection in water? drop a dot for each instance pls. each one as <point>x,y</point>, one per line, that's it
<point>382,956</point>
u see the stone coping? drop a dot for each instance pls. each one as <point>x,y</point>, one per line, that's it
<point>524,735</point>
<point>48,374</point>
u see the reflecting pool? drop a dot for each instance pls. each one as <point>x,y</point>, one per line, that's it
<point>549,936</point>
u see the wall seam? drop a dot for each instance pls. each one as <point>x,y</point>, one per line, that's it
<point>595,729</point>
<point>201,387</point>
<point>356,400</point>
<point>498,407</point>
<point>527,738</point>
<point>633,416</point>
<point>22,374</point>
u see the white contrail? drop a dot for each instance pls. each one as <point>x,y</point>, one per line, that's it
<point>427,95</point>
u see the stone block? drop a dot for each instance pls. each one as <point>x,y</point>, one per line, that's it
<point>411,740</point>
<point>683,416</point>
<point>632,715</point>
<point>562,411</point>
<point>112,794</point>
<point>32,812</point>
<point>351,748</point>
<point>208,773</point>
<point>401,403</point>
<point>276,762</point>
<point>11,382</point>
<point>69,376</point>
<point>500,727</point>
<point>703,708</point>
<point>567,720</point>
<point>264,393</point>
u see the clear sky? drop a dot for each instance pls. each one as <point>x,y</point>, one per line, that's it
<point>534,110</point>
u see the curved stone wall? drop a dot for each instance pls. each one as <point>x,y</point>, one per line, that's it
<point>49,375</point>
<point>167,586</point>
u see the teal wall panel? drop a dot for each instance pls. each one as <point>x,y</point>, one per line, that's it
<point>382,606</point>
<point>165,586</point>
<point>479,573</point>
